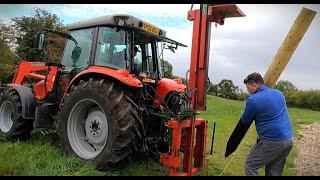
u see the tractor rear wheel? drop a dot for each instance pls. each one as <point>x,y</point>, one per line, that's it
<point>12,125</point>
<point>97,123</point>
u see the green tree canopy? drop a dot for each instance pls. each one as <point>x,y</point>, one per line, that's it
<point>242,95</point>
<point>213,89</point>
<point>7,35</point>
<point>285,86</point>
<point>166,69</point>
<point>27,29</point>
<point>7,56</point>
<point>227,89</point>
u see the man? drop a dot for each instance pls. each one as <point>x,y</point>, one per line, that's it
<point>119,57</point>
<point>268,108</point>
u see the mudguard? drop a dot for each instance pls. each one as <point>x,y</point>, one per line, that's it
<point>27,100</point>
<point>121,75</point>
<point>236,137</point>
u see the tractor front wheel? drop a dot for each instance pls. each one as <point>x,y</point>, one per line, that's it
<point>97,123</point>
<point>12,125</point>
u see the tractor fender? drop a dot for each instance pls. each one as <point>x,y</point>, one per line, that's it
<point>165,86</point>
<point>121,75</point>
<point>28,101</point>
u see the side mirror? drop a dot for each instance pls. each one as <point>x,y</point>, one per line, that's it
<point>76,53</point>
<point>40,41</point>
<point>172,49</point>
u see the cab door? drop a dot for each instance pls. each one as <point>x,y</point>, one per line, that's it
<point>146,61</point>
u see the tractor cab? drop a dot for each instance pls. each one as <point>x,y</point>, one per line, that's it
<point>117,42</point>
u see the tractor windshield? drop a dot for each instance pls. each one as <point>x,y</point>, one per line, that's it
<point>78,55</point>
<point>112,48</point>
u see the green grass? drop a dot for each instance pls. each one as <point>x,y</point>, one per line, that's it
<point>226,114</point>
<point>41,154</point>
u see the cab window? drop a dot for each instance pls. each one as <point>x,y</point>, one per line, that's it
<point>112,48</point>
<point>145,62</point>
<point>149,59</point>
<point>77,55</point>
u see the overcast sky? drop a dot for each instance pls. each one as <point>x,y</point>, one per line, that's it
<point>239,47</point>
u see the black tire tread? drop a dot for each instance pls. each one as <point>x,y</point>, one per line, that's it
<point>121,113</point>
<point>21,128</point>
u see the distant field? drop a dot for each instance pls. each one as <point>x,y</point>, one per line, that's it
<point>41,155</point>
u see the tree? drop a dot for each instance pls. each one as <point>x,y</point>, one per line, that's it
<point>313,99</point>
<point>303,99</point>
<point>54,46</point>
<point>27,29</point>
<point>213,89</point>
<point>227,89</point>
<point>7,66</point>
<point>166,69</point>
<point>7,35</point>
<point>242,95</point>
<point>7,57</point>
<point>285,86</point>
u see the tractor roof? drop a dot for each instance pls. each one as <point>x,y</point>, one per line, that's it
<point>125,21</point>
<point>118,20</point>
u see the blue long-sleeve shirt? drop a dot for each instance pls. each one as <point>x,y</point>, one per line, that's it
<point>269,110</point>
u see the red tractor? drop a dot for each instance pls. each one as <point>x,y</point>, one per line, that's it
<point>107,99</point>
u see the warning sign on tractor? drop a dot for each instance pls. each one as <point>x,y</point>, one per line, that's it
<point>150,28</point>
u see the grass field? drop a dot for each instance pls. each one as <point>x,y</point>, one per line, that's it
<point>41,154</point>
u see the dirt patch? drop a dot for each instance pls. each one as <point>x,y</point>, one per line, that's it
<point>308,146</point>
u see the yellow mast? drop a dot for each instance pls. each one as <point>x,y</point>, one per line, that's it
<point>288,46</point>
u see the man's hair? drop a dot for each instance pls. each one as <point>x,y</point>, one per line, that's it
<point>254,78</point>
